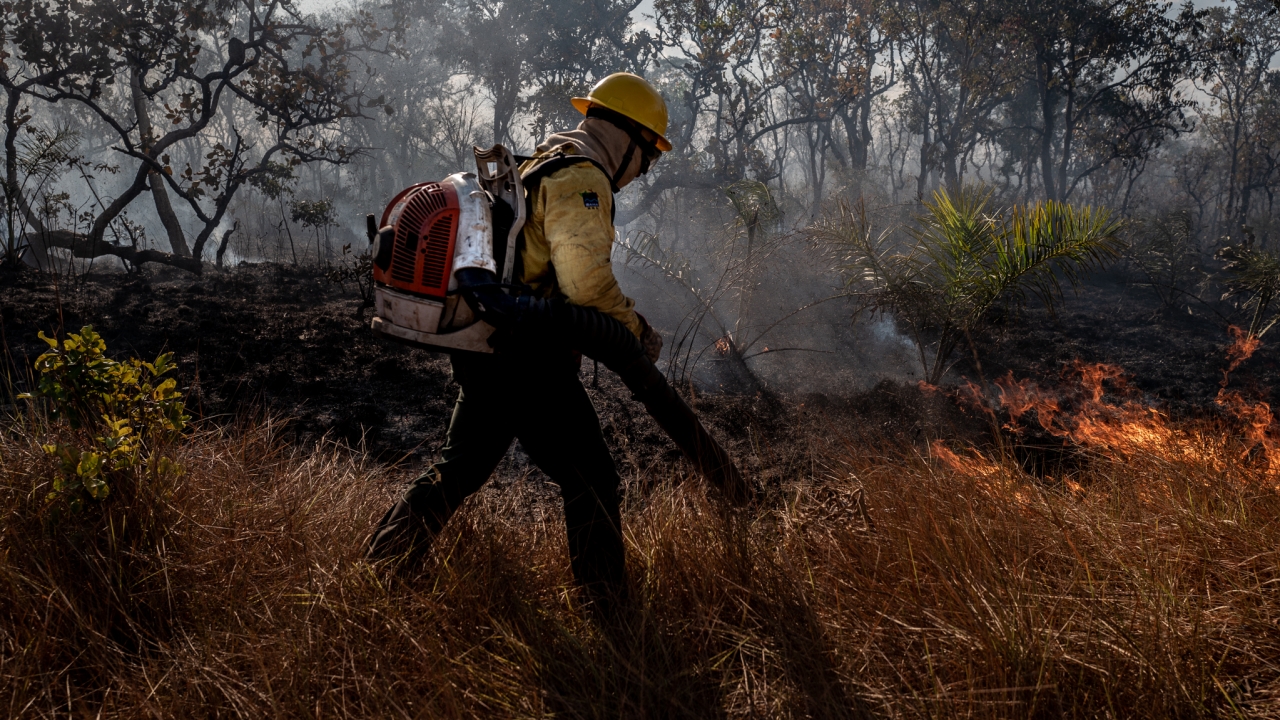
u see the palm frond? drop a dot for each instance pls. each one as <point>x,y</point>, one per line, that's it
<point>1042,245</point>
<point>645,248</point>
<point>1253,280</point>
<point>962,258</point>
<point>753,202</point>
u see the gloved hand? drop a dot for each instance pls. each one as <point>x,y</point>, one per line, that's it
<point>650,339</point>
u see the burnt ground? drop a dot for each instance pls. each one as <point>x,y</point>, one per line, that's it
<point>288,341</point>
<point>1174,357</point>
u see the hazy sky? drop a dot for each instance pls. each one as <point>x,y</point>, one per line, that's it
<point>646,8</point>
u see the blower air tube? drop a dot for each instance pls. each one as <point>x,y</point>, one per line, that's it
<point>530,321</point>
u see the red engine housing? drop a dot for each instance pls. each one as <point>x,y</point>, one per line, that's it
<point>424,218</point>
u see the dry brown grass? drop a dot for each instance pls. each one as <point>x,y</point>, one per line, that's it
<point>894,585</point>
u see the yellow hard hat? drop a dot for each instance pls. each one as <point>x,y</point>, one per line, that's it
<point>632,96</point>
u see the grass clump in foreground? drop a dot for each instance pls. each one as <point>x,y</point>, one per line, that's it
<point>907,582</point>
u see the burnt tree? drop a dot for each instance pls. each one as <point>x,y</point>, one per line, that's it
<point>200,97</point>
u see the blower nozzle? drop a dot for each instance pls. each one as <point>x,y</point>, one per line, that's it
<point>679,422</point>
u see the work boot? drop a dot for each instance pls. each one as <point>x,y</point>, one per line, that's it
<point>400,533</point>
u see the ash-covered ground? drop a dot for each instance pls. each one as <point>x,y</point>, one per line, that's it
<point>287,341</point>
<point>1175,357</point>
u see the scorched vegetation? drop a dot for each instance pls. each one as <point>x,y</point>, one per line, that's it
<point>951,280</point>
<point>1134,580</point>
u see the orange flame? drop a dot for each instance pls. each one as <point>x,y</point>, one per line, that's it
<point>1021,397</point>
<point>1256,417</point>
<point>1095,408</point>
<point>974,465</point>
<point>1081,413</point>
<point>989,476</point>
<point>1242,347</point>
<point>1259,426</point>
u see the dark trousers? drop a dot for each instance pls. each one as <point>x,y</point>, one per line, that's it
<point>544,405</point>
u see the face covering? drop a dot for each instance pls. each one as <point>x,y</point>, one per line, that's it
<point>612,142</point>
<point>648,151</point>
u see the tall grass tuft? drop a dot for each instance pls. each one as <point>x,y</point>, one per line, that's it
<point>903,583</point>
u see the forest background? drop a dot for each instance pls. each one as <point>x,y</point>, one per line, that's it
<point>191,132</point>
<point>1088,528</point>
<point>1135,106</point>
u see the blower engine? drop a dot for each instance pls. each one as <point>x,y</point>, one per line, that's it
<point>446,251</point>
<point>431,231</point>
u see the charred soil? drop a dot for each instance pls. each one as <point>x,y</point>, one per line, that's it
<point>287,341</point>
<point>891,568</point>
<point>1174,357</point>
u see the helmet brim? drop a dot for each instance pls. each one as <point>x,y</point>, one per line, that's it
<point>582,104</point>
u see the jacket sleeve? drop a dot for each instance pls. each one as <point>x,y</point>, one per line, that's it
<point>577,220</point>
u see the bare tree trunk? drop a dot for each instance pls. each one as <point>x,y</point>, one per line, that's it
<point>86,247</point>
<point>814,138</point>
<point>285,222</point>
<point>950,161</point>
<point>1046,139</point>
<point>859,141</point>
<point>1233,175</point>
<point>506,96</point>
<point>226,236</point>
<point>1068,137</point>
<point>177,241</point>
<point>11,178</point>
<point>922,180</point>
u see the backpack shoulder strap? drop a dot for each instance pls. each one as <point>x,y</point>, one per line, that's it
<point>550,165</point>
<point>532,178</point>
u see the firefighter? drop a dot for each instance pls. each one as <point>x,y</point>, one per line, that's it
<point>533,393</point>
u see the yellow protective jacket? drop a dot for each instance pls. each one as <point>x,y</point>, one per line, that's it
<point>568,242</point>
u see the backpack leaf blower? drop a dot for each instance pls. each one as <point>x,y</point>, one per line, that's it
<point>444,258</point>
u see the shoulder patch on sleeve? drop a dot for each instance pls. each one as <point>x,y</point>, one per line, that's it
<point>590,200</point>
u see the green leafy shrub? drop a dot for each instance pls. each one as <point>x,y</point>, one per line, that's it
<point>1164,248</point>
<point>118,418</point>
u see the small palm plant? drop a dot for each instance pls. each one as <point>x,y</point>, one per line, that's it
<point>961,260</point>
<point>1252,279</point>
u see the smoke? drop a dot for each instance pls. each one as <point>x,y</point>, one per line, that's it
<point>718,261</point>
<point>747,306</point>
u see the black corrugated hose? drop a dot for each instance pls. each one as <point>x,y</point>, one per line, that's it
<point>528,322</point>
